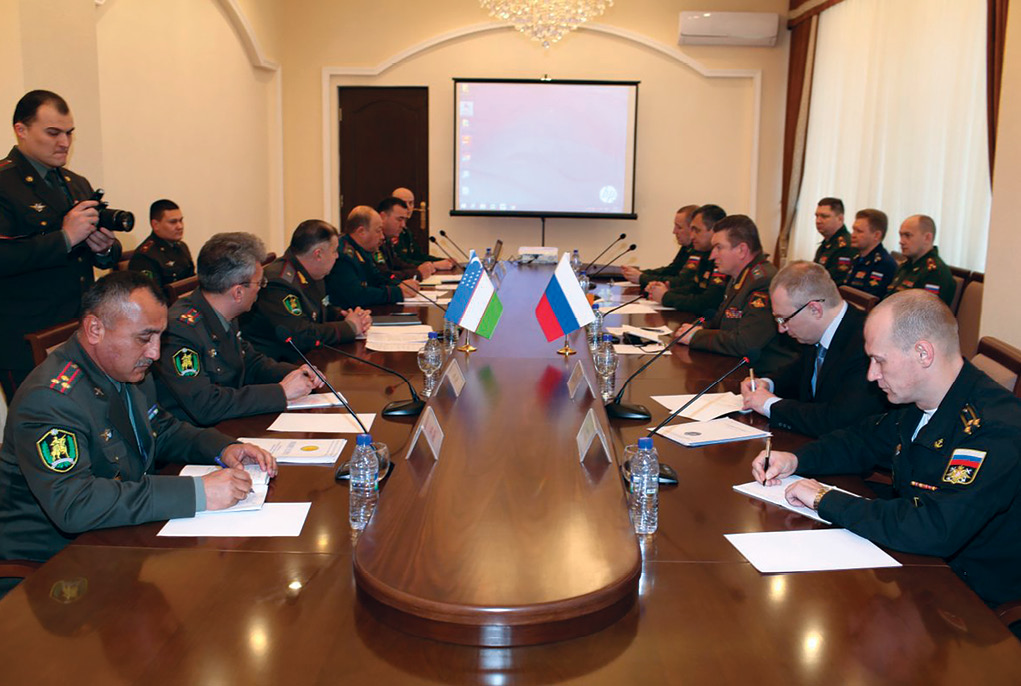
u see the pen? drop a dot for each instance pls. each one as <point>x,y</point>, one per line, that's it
<point>751,373</point>
<point>769,449</point>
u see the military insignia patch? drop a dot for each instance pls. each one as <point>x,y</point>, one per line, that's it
<point>38,207</point>
<point>758,272</point>
<point>932,288</point>
<point>842,243</point>
<point>719,278</point>
<point>190,317</point>
<point>970,419</point>
<point>145,247</point>
<point>58,450</point>
<point>186,362</point>
<point>293,305</point>
<point>153,411</point>
<point>732,313</point>
<point>844,262</point>
<point>66,379</point>
<point>930,264</point>
<point>150,274</point>
<point>302,279</point>
<point>877,275</point>
<point>67,591</point>
<point>693,262</point>
<point>349,250</point>
<point>759,299</point>
<point>963,467</point>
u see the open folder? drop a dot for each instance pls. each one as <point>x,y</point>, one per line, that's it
<point>726,430</point>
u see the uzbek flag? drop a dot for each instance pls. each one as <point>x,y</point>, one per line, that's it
<point>563,307</point>
<point>475,305</point>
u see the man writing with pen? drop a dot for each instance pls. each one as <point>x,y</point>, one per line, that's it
<point>207,372</point>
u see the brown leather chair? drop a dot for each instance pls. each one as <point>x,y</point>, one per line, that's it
<point>122,265</point>
<point>969,314</point>
<point>859,298</point>
<point>1001,361</point>
<point>42,342</point>
<point>270,256</point>
<point>178,288</point>
<point>961,278</point>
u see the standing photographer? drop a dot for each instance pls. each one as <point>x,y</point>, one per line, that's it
<point>49,238</point>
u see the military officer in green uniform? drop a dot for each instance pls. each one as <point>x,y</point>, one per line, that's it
<point>407,247</point>
<point>355,280</point>
<point>700,287</point>
<point>874,267</point>
<point>679,265</point>
<point>393,212</point>
<point>49,240</point>
<point>85,432</point>
<point>743,324</point>
<point>951,445</point>
<point>294,302</point>
<point>835,252</point>
<point>164,257</point>
<point>923,268</point>
<point>207,372</point>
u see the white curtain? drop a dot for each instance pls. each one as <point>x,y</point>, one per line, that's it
<point>898,121</point>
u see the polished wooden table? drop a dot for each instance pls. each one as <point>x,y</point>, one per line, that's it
<point>507,502</point>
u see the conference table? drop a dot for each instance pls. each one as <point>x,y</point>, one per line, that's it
<point>508,559</point>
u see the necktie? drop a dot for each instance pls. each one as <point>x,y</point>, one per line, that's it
<point>820,355</point>
<point>126,396</point>
<point>56,181</point>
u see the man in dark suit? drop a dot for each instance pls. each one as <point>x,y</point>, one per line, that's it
<point>826,387</point>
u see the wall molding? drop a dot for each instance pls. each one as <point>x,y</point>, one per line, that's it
<point>246,35</point>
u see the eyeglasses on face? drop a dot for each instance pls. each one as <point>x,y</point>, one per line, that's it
<point>782,321</point>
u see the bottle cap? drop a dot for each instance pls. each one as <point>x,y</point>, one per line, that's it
<point>645,443</point>
<point>607,337</point>
<point>364,439</point>
<point>582,274</point>
<point>433,334</point>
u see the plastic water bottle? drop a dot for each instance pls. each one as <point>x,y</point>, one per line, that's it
<point>364,470</point>
<point>488,261</point>
<point>576,261</point>
<point>583,282</point>
<point>451,331</point>
<point>594,329</point>
<point>644,498</point>
<point>430,357</point>
<point>605,357</point>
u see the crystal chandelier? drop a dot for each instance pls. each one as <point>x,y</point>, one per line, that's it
<point>546,21</point>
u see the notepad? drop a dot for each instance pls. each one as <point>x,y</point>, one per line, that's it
<point>325,451</point>
<point>694,434</point>
<point>775,495</point>
<point>332,423</point>
<point>809,551</point>
<point>253,501</point>
<point>709,406</point>
<point>274,519</point>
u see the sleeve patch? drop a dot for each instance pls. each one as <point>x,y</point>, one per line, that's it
<point>963,466</point>
<point>186,362</point>
<point>293,305</point>
<point>58,449</point>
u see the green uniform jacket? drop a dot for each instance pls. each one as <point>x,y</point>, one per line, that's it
<point>928,272</point>
<point>206,374</point>
<point>356,281</point>
<point>41,282</point>
<point>668,272</point>
<point>293,304</point>
<point>162,261</point>
<point>744,325</point>
<point>836,254</point>
<point>394,264</point>
<point>408,250</point>
<point>701,287</point>
<point>71,461</point>
<point>957,486</point>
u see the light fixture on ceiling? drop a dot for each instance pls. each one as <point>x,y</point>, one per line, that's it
<point>546,21</point>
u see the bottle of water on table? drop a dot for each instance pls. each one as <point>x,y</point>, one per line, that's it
<point>364,471</point>
<point>575,261</point>
<point>644,497</point>
<point>605,357</point>
<point>594,329</point>
<point>489,261</point>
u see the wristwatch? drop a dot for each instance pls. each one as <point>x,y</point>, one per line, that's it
<point>818,497</point>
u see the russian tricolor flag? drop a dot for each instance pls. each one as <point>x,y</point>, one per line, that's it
<point>475,305</point>
<point>563,307</point>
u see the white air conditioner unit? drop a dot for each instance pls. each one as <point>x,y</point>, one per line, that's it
<point>729,28</point>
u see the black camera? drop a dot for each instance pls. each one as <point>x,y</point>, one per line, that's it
<point>114,220</point>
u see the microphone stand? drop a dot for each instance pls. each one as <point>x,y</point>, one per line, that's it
<point>624,304</point>
<point>596,273</point>
<point>398,408</point>
<point>619,410</point>
<point>290,339</point>
<point>417,290</point>
<point>432,239</point>
<point>653,431</point>
<point>605,250</point>
<point>444,234</point>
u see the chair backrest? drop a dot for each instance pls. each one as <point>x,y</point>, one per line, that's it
<point>270,256</point>
<point>969,315</point>
<point>859,298</point>
<point>122,265</point>
<point>183,287</point>
<point>1001,361</point>
<point>42,342</point>
<point>959,283</point>
<point>898,257</point>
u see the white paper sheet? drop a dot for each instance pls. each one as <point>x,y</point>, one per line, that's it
<point>709,406</point>
<point>633,308</point>
<point>652,334</point>
<point>775,495</point>
<point>390,346</point>
<point>437,279</point>
<point>419,301</point>
<point>286,451</point>
<point>255,498</point>
<point>259,477</point>
<point>315,400</point>
<point>648,349</point>
<point>332,423</point>
<point>809,551</point>
<point>723,430</point>
<point>274,519</point>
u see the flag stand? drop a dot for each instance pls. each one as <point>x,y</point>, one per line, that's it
<point>567,349</point>
<point>467,347</point>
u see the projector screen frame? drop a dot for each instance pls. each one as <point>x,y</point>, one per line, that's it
<point>454,212</point>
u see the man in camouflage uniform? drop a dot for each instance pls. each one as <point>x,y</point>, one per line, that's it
<point>356,280</point>
<point>700,287</point>
<point>743,325</point>
<point>835,252</point>
<point>164,257</point>
<point>923,268</point>
<point>874,267</point>
<point>682,234</point>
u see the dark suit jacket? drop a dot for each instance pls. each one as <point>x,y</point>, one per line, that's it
<point>843,394</point>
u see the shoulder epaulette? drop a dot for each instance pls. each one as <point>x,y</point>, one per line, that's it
<point>6,162</point>
<point>190,316</point>
<point>145,247</point>
<point>931,265</point>
<point>758,272</point>
<point>349,249</point>
<point>288,272</point>
<point>66,378</point>
<point>970,419</point>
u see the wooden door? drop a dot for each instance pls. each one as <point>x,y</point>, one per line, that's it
<point>384,144</point>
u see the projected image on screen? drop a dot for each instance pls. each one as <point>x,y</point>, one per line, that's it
<point>544,148</point>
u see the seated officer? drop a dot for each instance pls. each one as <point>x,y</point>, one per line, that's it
<point>407,247</point>
<point>874,267</point>
<point>207,371</point>
<point>393,212</point>
<point>355,280</point>
<point>163,256</point>
<point>835,252</point>
<point>923,268</point>
<point>682,234</point>
<point>826,387</point>
<point>85,433</point>
<point>743,325</point>
<point>294,301</point>
<point>699,288</point>
<point>952,445</point>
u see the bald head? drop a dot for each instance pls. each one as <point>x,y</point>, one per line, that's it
<point>915,315</point>
<point>406,195</point>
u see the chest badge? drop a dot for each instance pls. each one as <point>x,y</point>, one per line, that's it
<point>963,466</point>
<point>106,434</point>
<point>38,207</point>
<point>938,444</point>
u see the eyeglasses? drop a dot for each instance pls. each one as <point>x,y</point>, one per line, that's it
<point>782,321</point>
<point>261,283</point>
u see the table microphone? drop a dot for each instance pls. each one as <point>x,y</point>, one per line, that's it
<point>615,409</point>
<point>283,333</point>
<point>398,408</point>
<point>617,240</point>
<point>450,257</point>
<point>444,234</point>
<point>614,309</point>
<point>629,249</point>
<point>653,431</point>
<point>417,290</point>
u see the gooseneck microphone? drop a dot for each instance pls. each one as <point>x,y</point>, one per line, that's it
<point>682,408</point>
<point>284,334</point>
<point>398,408</point>
<point>623,304</point>
<point>444,234</point>
<point>629,249</point>
<point>417,290</point>
<point>615,409</point>
<point>450,257</point>
<point>605,250</point>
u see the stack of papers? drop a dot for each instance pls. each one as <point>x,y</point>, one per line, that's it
<point>274,519</point>
<point>809,551</point>
<point>437,279</point>
<point>333,422</point>
<point>775,495</point>
<point>418,300</point>
<point>709,406</point>
<point>315,400</point>
<point>286,451</point>
<point>694,434</point>
<point>398,338</point>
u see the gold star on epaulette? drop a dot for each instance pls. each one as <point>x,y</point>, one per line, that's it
<point>67,378</point>
<point>930,264</point>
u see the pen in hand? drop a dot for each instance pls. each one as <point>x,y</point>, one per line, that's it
<point>751,375</point>
<point>769,449</point>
